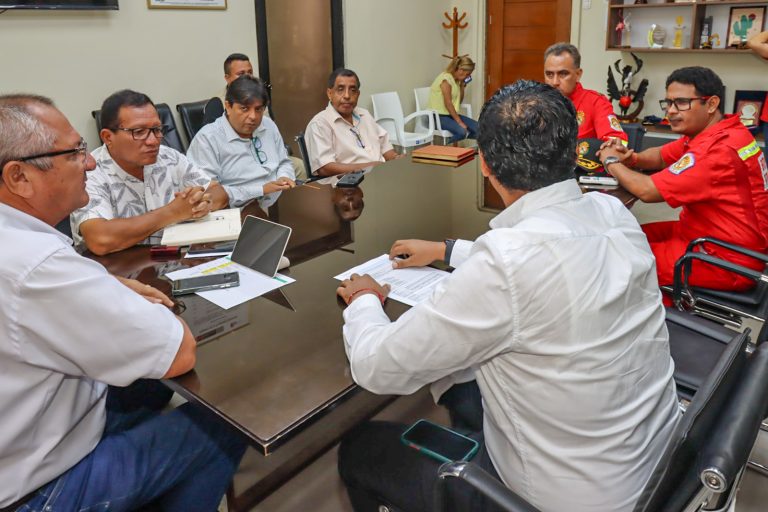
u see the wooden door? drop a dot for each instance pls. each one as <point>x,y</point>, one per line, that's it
<point>518,33</point>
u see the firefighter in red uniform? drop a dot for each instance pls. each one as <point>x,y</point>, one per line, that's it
<point>716,172</point>
<point>759,45</point>
<point>594,113</point>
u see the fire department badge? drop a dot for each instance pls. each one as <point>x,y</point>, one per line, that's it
<point>615,123</point>
<point>582,148</point>
<point>580,117</point>
<point>763,169</point>
<point>686,162</point>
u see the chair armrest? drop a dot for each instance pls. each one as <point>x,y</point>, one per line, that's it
<point>429,114</point>
<point>484,483</point>
<point>723,459</point>
<point>682,272</point>
<point>467,109</point>
<point>397,128</point>
<point>727,245</point>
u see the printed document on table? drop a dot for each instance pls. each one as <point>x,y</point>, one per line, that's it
<point>409,285</point>
<point>252,284</point>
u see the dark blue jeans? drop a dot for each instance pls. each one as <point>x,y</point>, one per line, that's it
<point>182,460</point>
<point>457,132</point>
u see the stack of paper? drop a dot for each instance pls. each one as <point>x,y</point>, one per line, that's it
<point>217,226</point>
<point>443,155</point>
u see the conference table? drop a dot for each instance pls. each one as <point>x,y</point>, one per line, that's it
<point>275,368</point>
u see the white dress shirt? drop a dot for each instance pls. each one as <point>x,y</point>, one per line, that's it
<point>115,194</point>
<point>233,161</point>
<point>67,329</point>
<point>332,139</point>
<point>558,311</point>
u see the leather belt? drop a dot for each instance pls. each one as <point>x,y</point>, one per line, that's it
<point>19,503</point>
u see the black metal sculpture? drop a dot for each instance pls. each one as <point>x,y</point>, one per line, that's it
<point>626,96</point>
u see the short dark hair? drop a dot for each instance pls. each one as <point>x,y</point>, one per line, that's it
<point>706,81</point>
<point>341,72</point>
<point>527,136</point>
<point>558,49</point>
<point>233,57</point>
<point>245,89</point>
<point>110,109</point>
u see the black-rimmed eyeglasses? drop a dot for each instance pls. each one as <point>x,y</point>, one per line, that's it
<point>681,104</point>
<point>356,133</point>
<point>81,148</point>
<point>261,156</point>
<point>143,133</point>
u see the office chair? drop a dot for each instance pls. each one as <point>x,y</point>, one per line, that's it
<point>388,112</point>
<point>191,117</point>
<point>171,139</point>
<point>422,103</point>
<point>704,462</point>
<point>635,134</point>
<point>304,153</point>
<point>726,307</point>
<point>212,110</point>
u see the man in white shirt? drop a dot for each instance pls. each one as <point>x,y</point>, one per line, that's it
<point>344,137</point>
<point>244,150</point>
<point>139,186</point>
<point>80,432</point>
<point>558,312</point>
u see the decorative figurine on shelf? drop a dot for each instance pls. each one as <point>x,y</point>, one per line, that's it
<point>678,42</point>
<point>620,27</point>
<point>625,41</point>
<point>641,2</point>
<point>626,96</point>
<point>740,29</point>
<point>656,36</point>
<point>706,31</point>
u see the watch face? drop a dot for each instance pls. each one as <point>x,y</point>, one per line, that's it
<point>611,160</point>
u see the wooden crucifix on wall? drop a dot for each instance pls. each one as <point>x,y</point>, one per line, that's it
<point>455,23</point>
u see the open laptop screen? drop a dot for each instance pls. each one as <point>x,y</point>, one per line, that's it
<point>260,245</point>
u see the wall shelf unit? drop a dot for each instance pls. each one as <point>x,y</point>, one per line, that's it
<point>664,14</point>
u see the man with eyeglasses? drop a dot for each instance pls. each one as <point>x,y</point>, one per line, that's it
<point>344,137</point>
<point>716,172</point>
<point>81,351</point>
<point>244,150</point>
<point>139,186</point>
<point>594,113</point>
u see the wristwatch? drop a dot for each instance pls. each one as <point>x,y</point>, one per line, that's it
<point>611,160</point>
<point>449,243</point>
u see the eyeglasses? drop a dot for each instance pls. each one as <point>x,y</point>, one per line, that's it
<point>681,104</point>
<point>81,148</point>
<point>143,133</point>
<point>357,136</point>
<point>261,156</point>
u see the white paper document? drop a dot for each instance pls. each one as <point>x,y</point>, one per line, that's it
<point>252,284</point>
<point>218,226</point>
<point>409,285</point>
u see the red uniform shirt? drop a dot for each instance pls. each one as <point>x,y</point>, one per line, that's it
<point>764,115</point>
<point>720,179</point>
<point>595,116</point>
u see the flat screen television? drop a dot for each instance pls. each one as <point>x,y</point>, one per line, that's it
<point>82,5</point>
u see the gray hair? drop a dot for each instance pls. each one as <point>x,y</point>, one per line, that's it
<point>558,49</point>
<point>22,133</point>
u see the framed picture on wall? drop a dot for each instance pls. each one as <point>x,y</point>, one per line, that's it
<point>743,23</point>
<point>748,105</point>
<point>187,4</point>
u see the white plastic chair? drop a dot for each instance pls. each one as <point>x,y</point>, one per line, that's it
<point>422,103</point>
<point>389,114</point>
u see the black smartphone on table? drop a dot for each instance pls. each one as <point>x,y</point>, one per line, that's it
<point>439,442</point>
<point>189,285</point>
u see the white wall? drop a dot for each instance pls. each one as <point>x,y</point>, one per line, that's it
<point>737,70</point>
<point>79,58</point>
<point>397,45</point>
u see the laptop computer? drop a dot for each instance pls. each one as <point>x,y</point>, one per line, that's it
<point>260,245</point>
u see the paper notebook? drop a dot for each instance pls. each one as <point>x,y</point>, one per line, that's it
<point>449,153</point>
<point>217,226</point>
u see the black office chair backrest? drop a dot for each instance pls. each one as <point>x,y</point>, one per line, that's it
<point>213,110</point>
<point>635,133</point>
<point>171,139</point>
<point>675,480</point>
<point>191,117</point>
<point>304,153</point>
